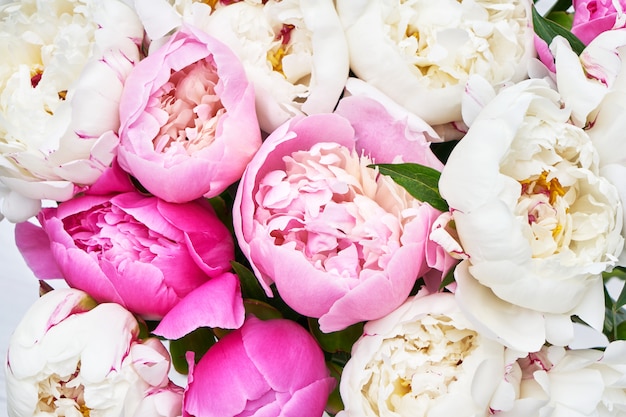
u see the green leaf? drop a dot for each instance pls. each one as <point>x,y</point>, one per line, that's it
<point>548,30</point>
<point>333,342</point>
<point>420,181</point>
<point>621,300</point>
<point>250,286</point>
<point>334,404</point>
<point>560,6</point>
<point>261,310</point>
<point>620,332</point>
<point>448,279</point>
<point>198,341</point>
<point>561,18</point>
<point>617,272</point>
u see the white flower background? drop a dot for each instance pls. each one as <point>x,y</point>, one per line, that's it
<point>19,287</point>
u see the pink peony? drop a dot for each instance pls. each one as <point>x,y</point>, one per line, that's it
<point>188,121</point>
<point>265,368</point>
<point>340,241</point>
<point>157,259</point>
<point>592,17</point>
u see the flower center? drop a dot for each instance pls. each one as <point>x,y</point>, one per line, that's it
<point>62,395</point>
<point>275,55</point>
<point>107,232</point>
<point>190,108</point>
<point>548,213</point>
<point>409,371</point>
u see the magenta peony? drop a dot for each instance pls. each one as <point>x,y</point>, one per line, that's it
<point>148,255</point>
<point>265,368</point>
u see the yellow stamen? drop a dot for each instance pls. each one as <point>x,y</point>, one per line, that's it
<point>84,410</point>
<point>211,3</point>
<point>542,185</point>
<point>276,58</point>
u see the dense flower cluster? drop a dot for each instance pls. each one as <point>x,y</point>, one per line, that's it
<point>365,208</point>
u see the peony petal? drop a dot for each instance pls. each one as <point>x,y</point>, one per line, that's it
<point>515,327</point>
<point>216,376</point>
<point>217,303</point>
<point>34,245</point>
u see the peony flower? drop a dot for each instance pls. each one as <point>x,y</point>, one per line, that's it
<point>294,51</point>
<point>250,371</point>
<point>535,218</point>
<point>188,125</point>
<point>585,382</point>
<point>592,17</point>
<point>71,357</point>
<point>424,359</point>
<point>421,53</point>
<point>342,242</point>
<point>61,76</point>
<point>594,87</point>
<point>156,259</point>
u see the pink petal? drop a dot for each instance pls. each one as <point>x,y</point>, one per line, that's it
<point>311,398</point>
<point>34,245</point>
<point>217,388</point>
<point>217,303</point>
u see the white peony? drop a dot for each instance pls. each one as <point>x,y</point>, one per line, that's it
<point>70,357</point>
<point>425,359</point>
<point>537,221</point>
<point>62,71</point>
<point>579,383</point>
<point>594,86</point>
<point>421,52</point>
<point>294,51</point>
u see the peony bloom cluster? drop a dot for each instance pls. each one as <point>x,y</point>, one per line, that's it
<point>62,73</point>
<point>106,370</point>
<point>355,207</point>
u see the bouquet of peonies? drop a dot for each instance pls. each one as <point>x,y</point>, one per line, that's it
<point>353,207</point>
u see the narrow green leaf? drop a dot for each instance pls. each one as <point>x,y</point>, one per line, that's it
<point>334,404</point>
<point>617,272</point>
<point>448,279</point>
<point>261,310</point>
<point>620,332</point>
<point>560,6</point>
<point>548,30</point>
<point>561,18</point>
<point>250,286</point>
<point>420,181</point>
<point>621,300</point>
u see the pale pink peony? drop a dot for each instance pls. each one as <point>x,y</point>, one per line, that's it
<point>188,121</point>
<point>340,241</point>
<point>157,259</point>
<point>265,368</point>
